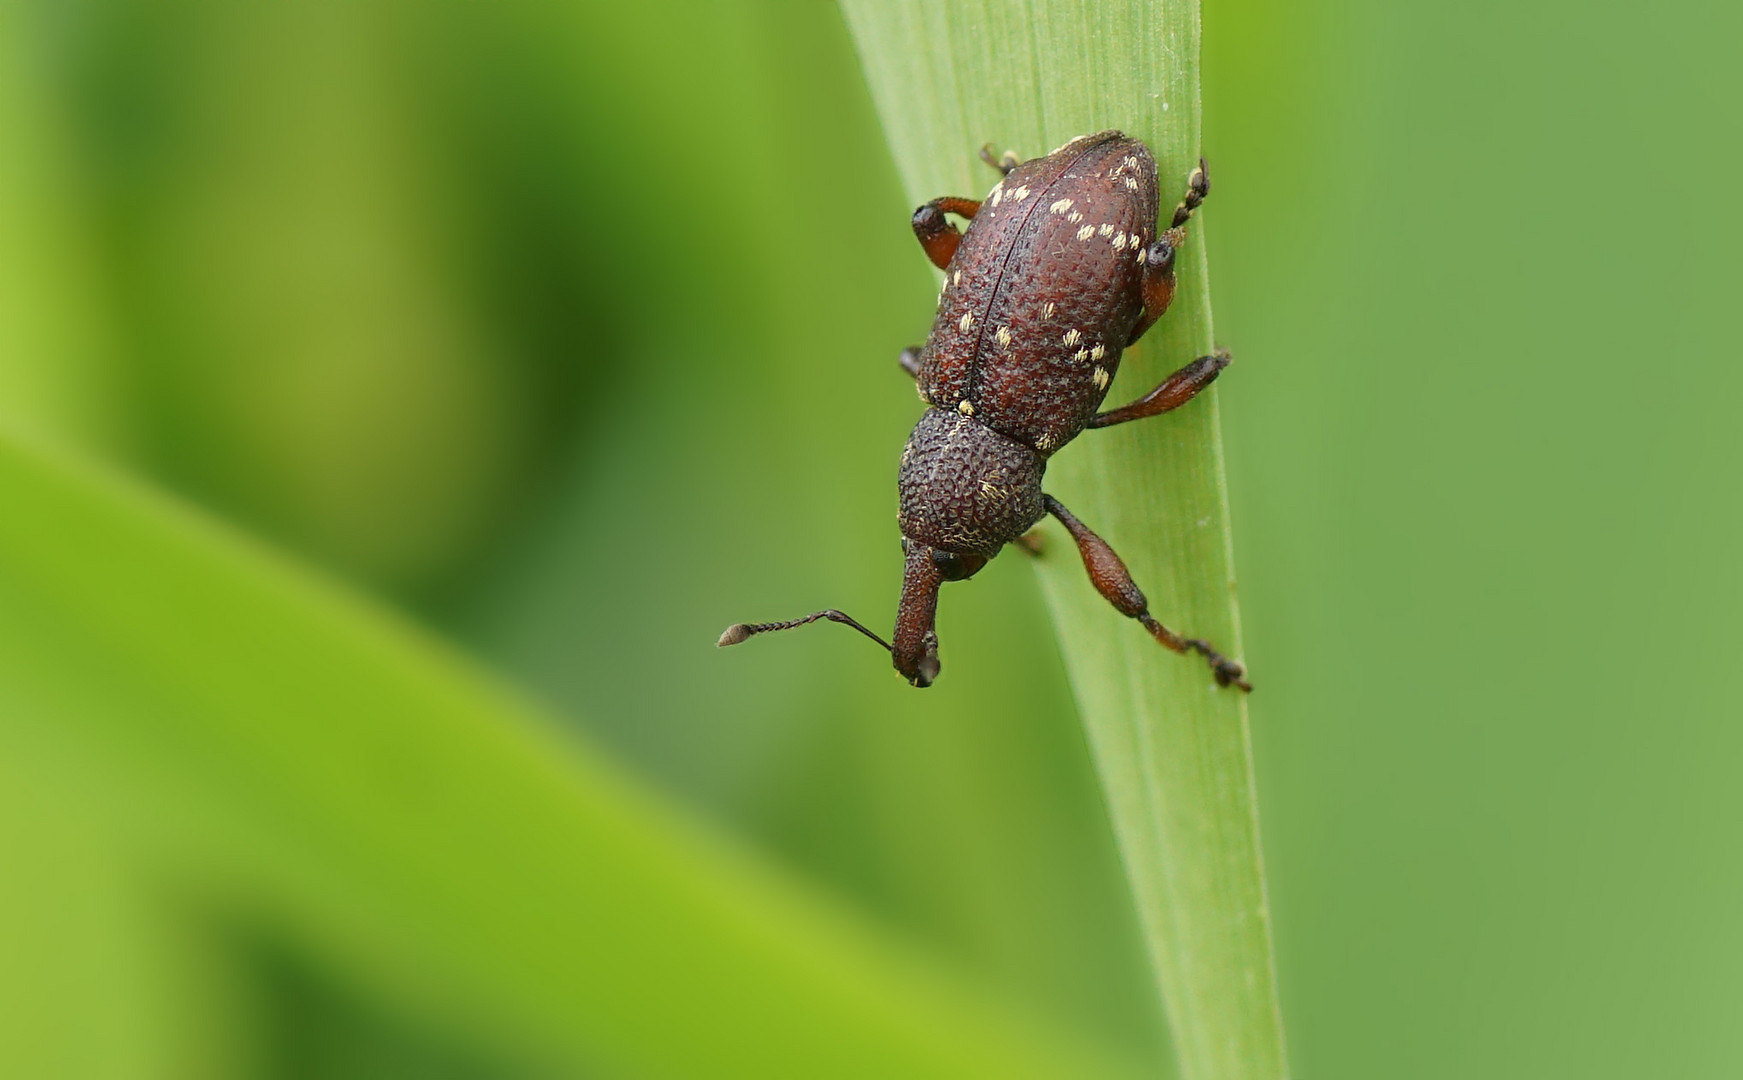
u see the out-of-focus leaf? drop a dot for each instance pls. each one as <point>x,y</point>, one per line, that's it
<point>271,748</point>
<point>52,327</point>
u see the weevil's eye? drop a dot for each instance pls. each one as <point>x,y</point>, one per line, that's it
<point>1161,254</point>
<point>956,567</point>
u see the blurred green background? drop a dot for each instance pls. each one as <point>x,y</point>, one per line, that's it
<point>568,333</point>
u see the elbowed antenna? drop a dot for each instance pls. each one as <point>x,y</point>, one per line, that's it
<point>738,632</point>
<point>915,653</point>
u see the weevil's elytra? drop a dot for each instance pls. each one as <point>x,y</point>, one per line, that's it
<point>1063,265</point>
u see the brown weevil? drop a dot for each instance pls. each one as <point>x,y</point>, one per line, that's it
<point>1062,268</point>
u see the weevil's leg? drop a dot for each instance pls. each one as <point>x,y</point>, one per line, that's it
<point>1158,286</point>
<point>910,360</point>
<point>1159,257</point>
<point>1114,582</point>
<point>937,234</point>
<point>1173,392</point>
<point>1004,163</point>
<point>1197,187</point>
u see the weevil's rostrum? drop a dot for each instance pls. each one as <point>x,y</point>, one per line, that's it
<point>1062,267</point>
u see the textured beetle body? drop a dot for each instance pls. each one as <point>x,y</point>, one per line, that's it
<point>1044,291</point>
<point>1064,265</point>
<point>966,488</point>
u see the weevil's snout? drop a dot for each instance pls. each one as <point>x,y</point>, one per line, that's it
<point>915,646</point>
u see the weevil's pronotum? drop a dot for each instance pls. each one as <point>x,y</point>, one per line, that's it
<point>1062,267</point>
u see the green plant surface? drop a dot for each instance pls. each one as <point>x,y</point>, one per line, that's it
<point>1172,750</point>
<point>303,768</point>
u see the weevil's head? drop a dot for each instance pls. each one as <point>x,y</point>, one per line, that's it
<point>966,491</point>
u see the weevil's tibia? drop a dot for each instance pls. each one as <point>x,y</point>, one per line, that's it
<point>738,632</point>
<point>1173,392</point>
<point>938,235</point>
<point>1111,578</point>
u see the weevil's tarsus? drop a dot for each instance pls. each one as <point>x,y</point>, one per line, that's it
<point>1004,163</point>
<point>1197,187</point>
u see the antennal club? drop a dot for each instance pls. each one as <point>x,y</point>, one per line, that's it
<point>738,632</point>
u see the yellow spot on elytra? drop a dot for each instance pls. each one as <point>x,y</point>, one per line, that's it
<point>1074,217</point>
<point>1107,228</point>
<point>1020,194</point>
<point>1081,355</point>
<point>1086,232</point>
<point>1120,242</point>
<point>1130,183</point>
<point>1060,207</point>
<point>1047,312</point>
<point>1098,352</point>
<point>1072,337</point>
<point>956,279</point>
<point>998,192</point>
<point>966,323</point>
<point>965,407</point>
<point>1102,378</point>
<point>1003,336</point>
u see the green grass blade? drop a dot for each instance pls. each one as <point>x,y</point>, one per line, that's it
<point>270,748</point>
<point>1172,750</point>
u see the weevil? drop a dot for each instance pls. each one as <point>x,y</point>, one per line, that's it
<point>1062,268</point>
